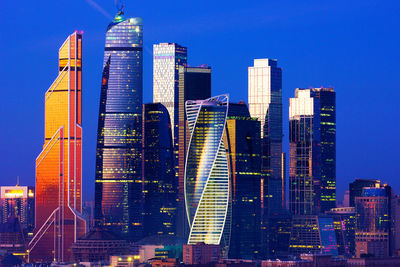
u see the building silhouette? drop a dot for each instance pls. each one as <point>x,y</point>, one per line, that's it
<point>118,186</point>
<point>58,220</point>
<point>244,157</point>
<point>160,185</point>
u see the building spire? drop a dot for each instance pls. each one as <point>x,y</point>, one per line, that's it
<point>120,7</point>
<point>17,181</point>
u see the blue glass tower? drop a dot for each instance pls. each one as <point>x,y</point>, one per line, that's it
<point>118,191</point>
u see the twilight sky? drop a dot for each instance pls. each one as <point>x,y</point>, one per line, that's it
<point>350,45</point>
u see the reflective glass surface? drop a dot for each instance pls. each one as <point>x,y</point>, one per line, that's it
<point>118,189</point>
<point>207,184</point>
<point>59,166</point>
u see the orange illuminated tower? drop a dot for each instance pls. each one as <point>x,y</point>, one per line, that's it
<point>58,222</point>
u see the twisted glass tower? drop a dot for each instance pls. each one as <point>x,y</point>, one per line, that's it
<point>207,176</point>
<point>118,191</point>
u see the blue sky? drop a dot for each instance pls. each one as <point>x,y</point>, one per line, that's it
<point>350,45</point>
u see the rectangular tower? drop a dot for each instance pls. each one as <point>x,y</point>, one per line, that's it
<point>312,141</point>
<point>265,103</point>
<point>18,202</point>
<point>58,222</point>
<point>244,157</point>
<point>167,58</point>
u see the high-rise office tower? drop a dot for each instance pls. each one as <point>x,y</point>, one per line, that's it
<point>18,202</point>
<point>356,188</point>
<point>194,84</point>
<point>374,225</point>
<point>344,220</point>
<point>312,141</point>
<point>313,234</point>
<point>207,175</point>
<point>118,191</point>
<point>265,103</point>
<point>244,156</point>
<point>167,58</point>
<point>58,222</point>
<point>160,185</point>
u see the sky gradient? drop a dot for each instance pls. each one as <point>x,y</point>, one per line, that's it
<point>352,46</point>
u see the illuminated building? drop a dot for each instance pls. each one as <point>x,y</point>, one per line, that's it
<point>207,175</point>
<point>312,143</point>
<point>160,184</point>
<point>167,58</point>
<point>373,234</point>
<point>313,234</point>
<point>194,84</point>
<point>12,238</point>
<point>356,188</point>
<point>243,143</point>
<point>58,222</point>
<point>118,189</point>
<point>18,202</point>
<point>265,103</point>
<point>344,220</point>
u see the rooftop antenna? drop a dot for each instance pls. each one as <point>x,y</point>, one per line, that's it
<point>17,180</point>
<point>120,7</point>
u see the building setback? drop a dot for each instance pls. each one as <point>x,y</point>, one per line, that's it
<point>58,220</point>
<point>118,187</point>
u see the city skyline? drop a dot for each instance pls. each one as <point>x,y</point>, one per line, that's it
<point>346,172</point>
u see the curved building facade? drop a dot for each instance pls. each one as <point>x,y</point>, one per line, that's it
<point>118,191</point>
<point>207,176</point>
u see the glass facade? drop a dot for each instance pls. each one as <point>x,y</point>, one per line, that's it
<point>344,220</point>
<point>312,144</point>
<point>374,222</point>
<point>244,154</point>
<point>118,189</point>
<point>207,175</point>
<point>313,234</point>
<point>356,188</point>
<point>194,84</point>
<point>160,185</point>
<point>58,222</point>
<point>167,58</point>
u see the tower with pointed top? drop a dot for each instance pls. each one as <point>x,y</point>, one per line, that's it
<point>118,185</point>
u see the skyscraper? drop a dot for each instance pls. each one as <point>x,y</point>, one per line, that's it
<point>18,202</point>
<point>313,234</point>
<point>160,185</point>
<point>312,141</point>
<point>58,222</point>
<point>265,103</point>
<point>373,234</point>
<point>207,175</point>
<point>194,84</point>
<point>244,156</point>
<point>167,58</point>
<point>118,191</point>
